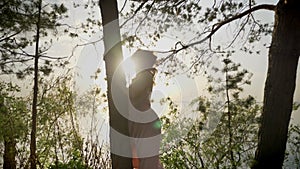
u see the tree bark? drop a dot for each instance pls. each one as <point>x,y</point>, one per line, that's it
<point>9,153</point>
<point>113,57</point>
<point>33,158</point>
<point>279,87</point>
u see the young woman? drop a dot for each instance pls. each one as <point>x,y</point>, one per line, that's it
<point>144,124</point>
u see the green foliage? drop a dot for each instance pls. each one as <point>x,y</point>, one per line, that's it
<point>292,156</point>
<point>12,112</point>
<point>57,136</point>
<point>232,142</point>
<point>75,163</point>
<point>296,106</point>
<point>92,108</point>
<point>59,143</point>
<point>235,77</point>
<point>13,119</point>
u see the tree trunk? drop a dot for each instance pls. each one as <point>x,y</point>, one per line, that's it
<point>33,158</point>
<point>280,86</point>
<point>9,153</point>
<point>119,143</point>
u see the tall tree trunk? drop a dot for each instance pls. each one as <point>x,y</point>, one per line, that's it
<point>280,86</point>
<point>113,57</point>
<point>9,153</point>
<point>228,101</point>
<point>33,158</point>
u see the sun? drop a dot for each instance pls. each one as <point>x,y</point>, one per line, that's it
<point>129,69</point>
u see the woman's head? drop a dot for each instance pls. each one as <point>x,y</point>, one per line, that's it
<point>144,60</point>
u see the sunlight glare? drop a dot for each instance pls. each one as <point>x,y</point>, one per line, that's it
<point>129,69</point>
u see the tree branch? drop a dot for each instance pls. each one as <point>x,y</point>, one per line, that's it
<point>217,26</point>
<point>123,6</point>
<point>146,15</point>
<point>15,61</point>
<point>12,35</point>
<point>135,12</point>
<point>41,56</point>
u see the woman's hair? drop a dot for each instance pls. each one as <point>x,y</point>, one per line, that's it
<point>143,59</point>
